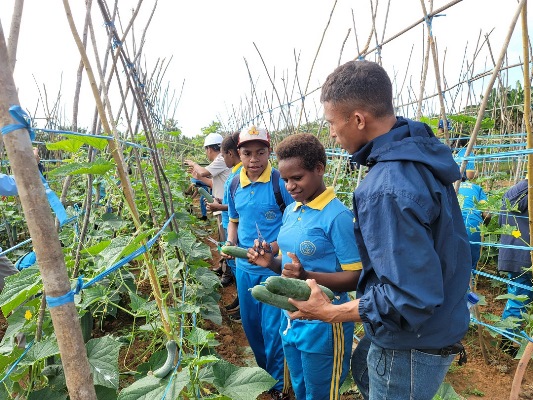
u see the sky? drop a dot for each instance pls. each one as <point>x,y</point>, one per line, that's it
<point>210,41</point>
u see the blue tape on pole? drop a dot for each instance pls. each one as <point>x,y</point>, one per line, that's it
<point>67,297</point>
<point>23,119</point>
<point>55,203</point>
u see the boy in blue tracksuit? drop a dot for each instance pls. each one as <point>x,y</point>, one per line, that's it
<point>316,241</point>
<point>470,193</point>
<point>411,237</point>
<point>254,206</point>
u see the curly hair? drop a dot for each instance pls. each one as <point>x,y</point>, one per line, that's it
<point>304,146</point>
<point>360,85</point>
<point>230,143</point>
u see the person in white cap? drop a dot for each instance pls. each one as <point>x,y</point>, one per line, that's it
<point>215,174</point>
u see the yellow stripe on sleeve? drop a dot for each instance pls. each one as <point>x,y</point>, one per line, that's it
<point>236,220</point>
<point>352,267</point>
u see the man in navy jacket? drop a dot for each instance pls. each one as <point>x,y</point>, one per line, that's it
<point>411,237</point>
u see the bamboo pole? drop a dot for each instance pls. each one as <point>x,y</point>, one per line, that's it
<point>524,360</point>
<point>116,152</point>
<point>437,73</point>
<point>14,31</point>
<point>483,104</point>
<point>45,241</point>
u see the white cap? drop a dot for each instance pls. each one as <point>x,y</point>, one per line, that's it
<point>212,138</point>
<point>253,133</point>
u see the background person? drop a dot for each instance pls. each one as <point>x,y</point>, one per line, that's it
<point>214,175</point>
<point>313,243</point>
<point>470,194</point>
<point>516,262</point>
<point>411,237</point>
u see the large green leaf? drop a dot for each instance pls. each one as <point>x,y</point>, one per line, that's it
<point>40,351</point>
<point>103,359</point>
<point>111,253</point>
<point>98,167</point>
<point>70,145</point>
<point>150,387</point>
<point>20,287</point>
<point>104,393</point>
<point>241,383</point>
<point>97,143</point>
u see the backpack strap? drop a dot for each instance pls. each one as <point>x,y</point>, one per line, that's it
<point>275,186</point>
<point>277,192</point>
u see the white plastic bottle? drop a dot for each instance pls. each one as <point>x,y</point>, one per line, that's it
<point>472,300</point>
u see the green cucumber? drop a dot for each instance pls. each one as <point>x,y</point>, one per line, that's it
<point>172,349</point>
<point>262,294</point>
<point>205,193</point>
<point>296,289</point>
<point>235,251</point>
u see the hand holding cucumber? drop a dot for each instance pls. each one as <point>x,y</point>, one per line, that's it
<point>317,307</point>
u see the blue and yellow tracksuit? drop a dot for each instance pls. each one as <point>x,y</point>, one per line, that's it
<point>321,235</point>
<point>255,202</point>
<point>225,199</point>
<point>472,217</point>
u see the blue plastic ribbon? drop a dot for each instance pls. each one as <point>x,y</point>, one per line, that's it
<point>497,278</point>
<point>55,203</point>
<point>67,297</point>
<point>23,119</point>
<point>12,368</point>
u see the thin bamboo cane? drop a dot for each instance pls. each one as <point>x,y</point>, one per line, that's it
<point>528,352</point>
<point>14,31</point>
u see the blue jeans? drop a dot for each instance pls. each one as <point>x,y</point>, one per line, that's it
<point>383,374</point>
<point>514,308</point>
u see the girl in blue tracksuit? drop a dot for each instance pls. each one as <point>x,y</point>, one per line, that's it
<point>316,241</point>
<point>254,205</point>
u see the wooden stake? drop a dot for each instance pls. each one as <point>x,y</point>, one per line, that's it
<point>45,240</point>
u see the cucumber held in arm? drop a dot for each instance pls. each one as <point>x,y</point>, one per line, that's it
<point>172,349</point>
<point>235,251</point>
<point>204,193</point>
<point>262,294</point>
<point>296,289</point>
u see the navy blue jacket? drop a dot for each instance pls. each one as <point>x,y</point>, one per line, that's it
<point>412,240</point>
<point>515,260</point>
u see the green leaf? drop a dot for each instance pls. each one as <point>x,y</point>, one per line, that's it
<point>98,167</point>
<point>199,336</point>
<point>104,393</point>
<point>103,359</point>
<point>205,360</point>
<point>47,394</point>
<point>150,387</point>
<point>19,287</point>
<point>41,350</point>
<point>113,221</point>
<point>509,296</point>
<point>97,143</point>
<point>111,253</point>
<point>97,248</point>
<point>206,278</point>
<point>136,302</point>
<point>241,383</point>
<point>70,145</point>
<point>446,392</point>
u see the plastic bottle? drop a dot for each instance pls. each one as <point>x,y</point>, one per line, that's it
<point>472,300</point>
